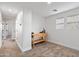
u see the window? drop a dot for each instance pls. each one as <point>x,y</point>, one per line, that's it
<point>60,23</point>
<point>73,22</point>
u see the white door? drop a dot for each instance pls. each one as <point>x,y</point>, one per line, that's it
<point>0,30</point>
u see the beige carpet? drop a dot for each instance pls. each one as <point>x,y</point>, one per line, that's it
<point>10,49</point>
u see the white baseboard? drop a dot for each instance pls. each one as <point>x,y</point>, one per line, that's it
<point>59,43</point>
<point>56,42</point>
<point>26,49</point>
<point>21,48</point>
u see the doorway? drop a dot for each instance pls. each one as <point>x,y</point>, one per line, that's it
<point>8,25</point>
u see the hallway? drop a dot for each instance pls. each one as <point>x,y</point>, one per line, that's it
<point>9,49</point>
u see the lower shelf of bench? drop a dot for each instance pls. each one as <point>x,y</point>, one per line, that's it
<point>38,41</point>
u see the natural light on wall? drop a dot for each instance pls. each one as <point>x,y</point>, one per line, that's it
<point>73,22</point>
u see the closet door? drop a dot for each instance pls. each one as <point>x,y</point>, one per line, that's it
<point>0,30</point>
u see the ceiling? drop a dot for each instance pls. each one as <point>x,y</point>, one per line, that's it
<point>43,8</point>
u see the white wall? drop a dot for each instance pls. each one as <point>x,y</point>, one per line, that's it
<point>19,30</point>
<point>27,44</point>
<point>23,33</point>
<point>37,23</point>
<point>69,38</point>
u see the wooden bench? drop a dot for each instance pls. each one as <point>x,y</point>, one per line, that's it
<point>41,35</point>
